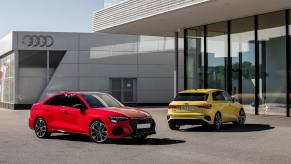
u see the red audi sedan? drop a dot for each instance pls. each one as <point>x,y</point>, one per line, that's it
<point>97,115</point>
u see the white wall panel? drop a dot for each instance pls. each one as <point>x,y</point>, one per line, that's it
<point>70,57</point>
<point>155,70</point>
<point>106,70</point>
<point>155,83</point>
<point>155,96</point>
<point>107,57</point>
<point>156,57</point>
<point>67,70</point>
<point>94,84</point>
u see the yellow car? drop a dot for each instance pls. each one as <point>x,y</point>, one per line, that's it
<point>204,107</point>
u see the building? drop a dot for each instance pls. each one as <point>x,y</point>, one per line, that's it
<point>242,46</point>
<point>134,69</point>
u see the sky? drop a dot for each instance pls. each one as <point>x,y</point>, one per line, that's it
<point>47,15</point>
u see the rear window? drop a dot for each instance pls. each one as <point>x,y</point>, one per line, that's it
<point>191,97</point>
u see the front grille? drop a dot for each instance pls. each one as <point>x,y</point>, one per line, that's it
<point>134,123</point>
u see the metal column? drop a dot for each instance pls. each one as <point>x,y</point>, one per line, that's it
<point>257,68</point>
<point>288,56</point>
<point>185,59</point>
<point>176,71</point>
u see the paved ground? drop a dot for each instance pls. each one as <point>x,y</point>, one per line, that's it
<point>265,139</point>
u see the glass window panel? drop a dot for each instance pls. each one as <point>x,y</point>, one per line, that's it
<point>195,58</point>
<point>116,84</point>
<point>272,47</point>
<point>32,76</point>
<point>128,84</point>
<point>128,96</point>
<point>7,79</point>
<point>55,58</point>
<point>32,59</point>
<point>217,54</point>
<point>243,61</point>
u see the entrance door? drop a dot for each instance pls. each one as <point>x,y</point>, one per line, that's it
<point>124,89</point>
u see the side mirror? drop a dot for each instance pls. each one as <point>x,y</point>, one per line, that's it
<point>80,106</point>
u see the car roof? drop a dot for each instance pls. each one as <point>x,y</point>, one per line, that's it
<point>201,90</point>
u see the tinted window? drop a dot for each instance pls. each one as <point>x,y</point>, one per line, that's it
<point>57,101</point>
<point>73,100</point>
<point>191,97</point>
<point>92,101</point>
<point>218,96</point>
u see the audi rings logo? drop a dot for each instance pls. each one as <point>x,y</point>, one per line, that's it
<point>38,40</point>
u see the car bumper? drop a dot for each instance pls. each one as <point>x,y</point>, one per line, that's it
<point>190,118</point>
<point>130,129</point>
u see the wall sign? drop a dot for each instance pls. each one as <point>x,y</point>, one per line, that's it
<point>38,40</point>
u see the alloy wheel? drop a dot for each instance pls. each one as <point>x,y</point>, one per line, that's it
<point>98,132</point>
<point>217,121</point>
<point>40,128</point>
<point>242,117</point>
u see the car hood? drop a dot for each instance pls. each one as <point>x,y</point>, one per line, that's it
<point>128,112</point>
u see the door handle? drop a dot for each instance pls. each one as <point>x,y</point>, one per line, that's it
<point>47,110</point>
<point>66,112</point>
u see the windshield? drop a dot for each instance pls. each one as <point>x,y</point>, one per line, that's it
<point>99,100</point>
<point>191,97</point>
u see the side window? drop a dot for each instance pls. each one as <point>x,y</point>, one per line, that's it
<point>73,100</point>
<point>227,96</point>
<point>57,101</point>
<point>218,96</point>
<point>92,101</point>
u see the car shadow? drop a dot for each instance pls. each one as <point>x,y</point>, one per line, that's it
<point>231,128</point>
<point>148,141</point>
<point>122,141</point>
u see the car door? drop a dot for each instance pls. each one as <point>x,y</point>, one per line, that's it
<point>231,108</point>
<point>222,105</point>
<point>72,116</point>
<point>53,107</point>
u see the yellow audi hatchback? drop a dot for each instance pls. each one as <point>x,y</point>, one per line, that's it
<point>204,107</point>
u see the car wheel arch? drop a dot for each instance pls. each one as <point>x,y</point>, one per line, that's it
<point>36,118</point>
<point>218,112</point>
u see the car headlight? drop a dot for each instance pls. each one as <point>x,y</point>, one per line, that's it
<point>116,119</point>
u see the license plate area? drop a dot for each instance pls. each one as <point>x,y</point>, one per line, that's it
<point>186,107</point>
<point>143,126</point>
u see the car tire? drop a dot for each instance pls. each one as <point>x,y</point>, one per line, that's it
<point>98,132</point>
<point>242,118</point>
<point>174,126</point>
<point>139,137</point>
<point>41,129</point>
<point>217,121</point>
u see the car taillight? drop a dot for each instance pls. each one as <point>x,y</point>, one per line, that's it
<point>205,106</point>
<point>172,106</point>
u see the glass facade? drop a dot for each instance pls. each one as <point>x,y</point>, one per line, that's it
<point>217,55</point>
<point>242,41</point>
<point>195,51</point>
<point>7,79</point>
<point>272,57</point>
<point>245,56</point>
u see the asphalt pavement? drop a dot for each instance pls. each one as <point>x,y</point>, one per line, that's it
<point>264,139</point>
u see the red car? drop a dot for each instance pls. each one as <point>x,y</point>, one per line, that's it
<point>97,115</point>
